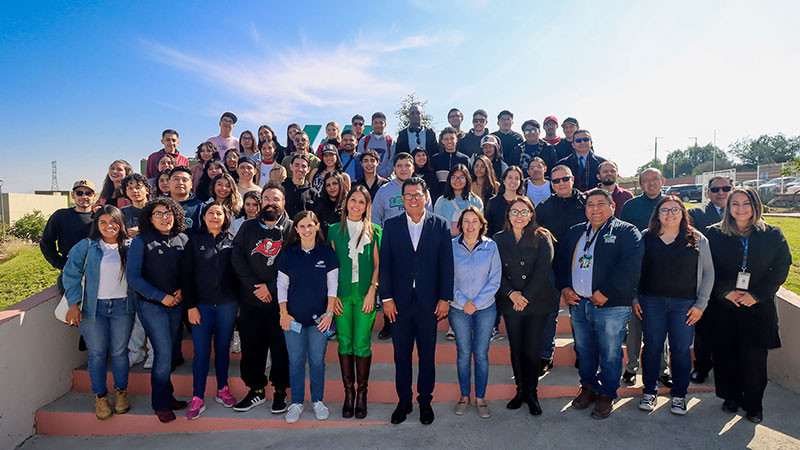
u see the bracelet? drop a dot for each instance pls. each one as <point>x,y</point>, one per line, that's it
<point>374,284</point>
<point>284,312</point>
<point>329,313</point>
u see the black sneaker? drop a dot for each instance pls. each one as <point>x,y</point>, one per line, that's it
<point>279,401</point>
<point>251,400</point>
<point>385,333</point>
<point>629,377</point>
<point>666,380</point>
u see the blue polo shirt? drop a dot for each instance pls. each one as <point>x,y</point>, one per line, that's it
<point>308,280</point>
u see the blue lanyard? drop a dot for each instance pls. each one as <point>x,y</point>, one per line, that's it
<point>746,243</point>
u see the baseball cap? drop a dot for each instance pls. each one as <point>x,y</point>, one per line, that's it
<point>84,183</point>
<point>549,118</point>
<point>490,140</point>
<point>571,120</point>
<point>329,148</point>
<point>229,115</point>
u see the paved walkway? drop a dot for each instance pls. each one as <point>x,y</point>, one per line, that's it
<point>705,427</point>
<point>795,215</point>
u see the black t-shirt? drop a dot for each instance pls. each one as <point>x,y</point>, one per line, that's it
<point>668,270</point>
<point>131,214</point>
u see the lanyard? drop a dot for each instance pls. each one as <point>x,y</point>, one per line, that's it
<point>746,243</point>
<point>589,242</point>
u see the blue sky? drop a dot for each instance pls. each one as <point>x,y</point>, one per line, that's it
<point>84,83</point>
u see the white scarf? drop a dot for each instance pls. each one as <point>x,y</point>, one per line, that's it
<point>355,247</point>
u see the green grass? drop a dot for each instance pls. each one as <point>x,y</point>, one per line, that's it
<point>791,229</point>
<point>24,276</point>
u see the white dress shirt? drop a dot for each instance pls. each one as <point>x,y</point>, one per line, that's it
<point>415,232</point>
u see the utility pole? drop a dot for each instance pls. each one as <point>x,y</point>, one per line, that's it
<point>714,153</point>
<point>2,209</point>
<point>656,146</point>
<point>53,176</point>
<point>695,140</point>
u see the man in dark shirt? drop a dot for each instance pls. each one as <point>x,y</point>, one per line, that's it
<point>583,161</point>
<point>300,196</point>
<point>509,139</point>
<point>416,135</point>
<point>357,122</point>
<point>67,226</point>
<point>533,147</point>
<point>550,126</point>
<point>455,117</point>
<point>370,159</point>
<point>443,161</point>
<point>638,211</point>
<point>471,144</point>
<point>180,189</point>
<point>136,189</point>
<point>608,177</point>
<point>564,146</point>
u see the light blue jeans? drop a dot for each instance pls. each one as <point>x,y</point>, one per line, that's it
<point>108,334</point>
<point>309,344</point>
<point>473,336</point>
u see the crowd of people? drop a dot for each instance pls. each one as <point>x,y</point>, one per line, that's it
<point>273,247</point>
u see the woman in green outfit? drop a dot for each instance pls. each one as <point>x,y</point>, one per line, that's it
<point>356,241</point>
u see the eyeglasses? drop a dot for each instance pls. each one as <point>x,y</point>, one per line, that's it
<point>247,138</point>
<point>231,158</point>
<point>519,212</point>
<point>716,189</point>
<point>82,193</point>
<point>530,130</point>
<point>358,124</point>
<point>227,121</point>
<point>579,140</point>
<point>478,120</point>
<point>561,180</point>
<point>413,196</point>
<point>459,178</point>
<point>674,211</point>
<point>163,215</point>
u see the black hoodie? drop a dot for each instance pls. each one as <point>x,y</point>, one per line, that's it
<point>559,214</point>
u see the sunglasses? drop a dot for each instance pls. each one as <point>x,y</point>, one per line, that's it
<point>579,140</point>
<point>530,130</point>
<point>478,120</point>
<point>358,124</point>
<point>716,189</point>
<point>82,193</point>
<point>561,180</point>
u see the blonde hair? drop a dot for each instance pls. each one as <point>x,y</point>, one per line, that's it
<point>728,224</point>
<point>336,126</point>
<point>282,174</point>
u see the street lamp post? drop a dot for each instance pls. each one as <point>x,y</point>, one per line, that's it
<point>2,209</point>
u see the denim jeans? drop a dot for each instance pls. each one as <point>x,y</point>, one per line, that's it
<point>662,317</point>
<point>161,325</point>
<point>310,341</point>
<point>107,335</point>
<point>598,340</point>
<point>473,335</point>
<point>217,320</point>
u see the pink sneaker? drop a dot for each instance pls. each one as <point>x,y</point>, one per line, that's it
<point>197,407</point>
<point>225,398</point>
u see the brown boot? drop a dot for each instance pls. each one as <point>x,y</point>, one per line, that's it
<point>602,407</point>
<point>346,362</point>
<point>101,408</point>
<point>362,373</point>
<point>121,404</point>
<point>584,398</point>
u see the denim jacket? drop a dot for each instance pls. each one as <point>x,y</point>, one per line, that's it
<point>86,252</point>
<point>477,273</point>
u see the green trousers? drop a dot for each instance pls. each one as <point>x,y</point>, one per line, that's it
<point>353,327</point>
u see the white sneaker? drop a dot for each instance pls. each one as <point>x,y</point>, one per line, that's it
<point>321,411</point>
<point>148,363</point>
<point>678,406</point>
<point>648,402</point>
<point>293,414</point>
<point>236,344</point>
<point>135,358</point>
<point>451,335</point>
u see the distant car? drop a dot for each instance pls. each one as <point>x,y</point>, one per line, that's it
<point>752,183</point>
<point>774,185</point>
<point>687,192</point>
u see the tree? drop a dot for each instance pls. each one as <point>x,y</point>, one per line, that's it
<point>402,112</point>
<point>654,163</point>
<point>688,161</point>
<point>766,149</point>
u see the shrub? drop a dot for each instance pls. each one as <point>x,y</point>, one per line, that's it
<point>29,227</point>
<point>13,247</point>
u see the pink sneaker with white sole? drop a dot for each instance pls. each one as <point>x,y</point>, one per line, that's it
<point>196,407</point>
<point>225,398</point>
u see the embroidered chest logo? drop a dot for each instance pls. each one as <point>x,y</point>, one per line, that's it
<point>320,264</point>
<point>268,248</point>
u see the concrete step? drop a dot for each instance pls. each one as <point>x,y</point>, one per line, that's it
<point>564,326</point>
<point>561,381</point>
<point>73,415</point>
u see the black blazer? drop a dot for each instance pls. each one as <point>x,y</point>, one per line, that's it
<point>431,265</point>
<point>526,269</point>
<point>768,261</point>
<point>588,179</point>
<point>431,143</point>
<point>617,260</point>
<point>704,216</point>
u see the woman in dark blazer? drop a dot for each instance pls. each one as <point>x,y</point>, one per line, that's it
<point>497,208</point>
<point>751,261</point>
<point>526,296</point>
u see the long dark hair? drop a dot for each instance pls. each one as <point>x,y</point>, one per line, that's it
<point>252,139</point>
<point>122,236</point>
<point>179,223</point>
<point>252,195</point>
<point>686,235</point>
<point>271,132</point>
<point>427,168</point>
<point>205,180</point>
<point>488,189</point>
<point>289,141</point>
<point>207,146</point>
<point>234,200</point>
<point>366,230</point>
<point>294,236</point>
<point>157,189</point>
<point>532,232</point>
<point>521,188</point>
<point>109,192</point>
<point>336,166</point>
<point>448,189</point>
<point>226,222</point>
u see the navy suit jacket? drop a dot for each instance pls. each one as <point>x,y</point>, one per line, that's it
<point>431,143</point>
<point>617,262</point>
<point>431,265</point>
<point>704,216</point>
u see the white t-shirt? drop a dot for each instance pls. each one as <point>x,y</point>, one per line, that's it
<point>265,169</point>
<point>113,283</point>
<point>537,194</point>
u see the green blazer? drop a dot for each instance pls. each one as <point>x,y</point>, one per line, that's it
<point>366,259</point>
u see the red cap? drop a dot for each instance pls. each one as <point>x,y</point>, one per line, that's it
<point>549,118</point>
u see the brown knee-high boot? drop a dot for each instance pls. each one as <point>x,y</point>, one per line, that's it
<point>348,379</point>
<point>362,372</point>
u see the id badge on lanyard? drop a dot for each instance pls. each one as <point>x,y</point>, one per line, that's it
<point>743,278</point>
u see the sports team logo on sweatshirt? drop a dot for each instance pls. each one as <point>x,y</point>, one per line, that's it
<point>268,248</point>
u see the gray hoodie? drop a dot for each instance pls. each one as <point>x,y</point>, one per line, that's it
<point>388,202</point>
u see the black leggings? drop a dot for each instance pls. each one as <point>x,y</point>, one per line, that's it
<point>525,337</point>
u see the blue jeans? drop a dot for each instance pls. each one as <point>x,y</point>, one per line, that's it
<point>662,317</point>
<point>217,320</point>
<point>598,340</point>
<point>473,335</point>
<point>161,325</point>
<point>108,335</point>
<point>310,341</point>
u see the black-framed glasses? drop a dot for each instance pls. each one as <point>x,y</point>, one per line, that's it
<point>716,189</point>
<point>162,215</point>
<point>579,140</point>
<point>674,211</point>
<point>413,196</point>
<point>459,178</point>
<point>519,212</point>
<point>561,180</point>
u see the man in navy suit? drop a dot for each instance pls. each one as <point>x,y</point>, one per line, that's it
<point>416,285</point>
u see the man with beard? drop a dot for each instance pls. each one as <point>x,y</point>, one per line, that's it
<point>351,163</point>
<point>608,177</point>
<point>255,251</point>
